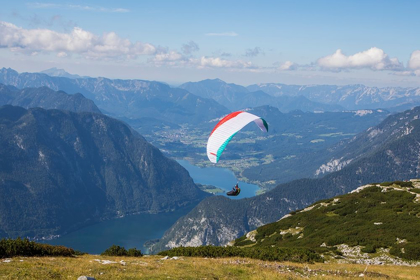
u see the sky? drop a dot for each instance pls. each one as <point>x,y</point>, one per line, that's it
<point>375,43</point>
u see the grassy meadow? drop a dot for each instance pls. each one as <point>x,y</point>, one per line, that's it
<point>154,267</point>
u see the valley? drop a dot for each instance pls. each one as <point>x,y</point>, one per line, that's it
<point>291,150</point>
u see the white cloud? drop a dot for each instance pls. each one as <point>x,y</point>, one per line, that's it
<point>414,62</point>
<point>78,41</point>
<point>169,58</point>
<point>217,62</point>
<point>228,34</point>
<point>38,5</point>
<point>288,65</point>
<point>62,54</point>
<point>373,58</point>
<point>173,58</point>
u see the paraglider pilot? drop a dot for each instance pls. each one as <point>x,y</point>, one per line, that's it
<point>235,191</point>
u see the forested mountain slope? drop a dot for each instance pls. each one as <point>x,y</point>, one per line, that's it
<point>61,170</point>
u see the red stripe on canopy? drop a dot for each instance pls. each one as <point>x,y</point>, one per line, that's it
<point>225,119</point>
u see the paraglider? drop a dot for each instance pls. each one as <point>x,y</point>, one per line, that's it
<point>225,129</point>
<point>235,191</point>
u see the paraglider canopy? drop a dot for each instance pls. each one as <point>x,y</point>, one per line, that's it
<point>225,129</point>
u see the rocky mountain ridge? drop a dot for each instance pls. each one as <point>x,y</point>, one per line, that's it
<point>130,99</point>
<point>62,170</point>
<point>46,98</point>
<point>237,97</point>
<point>55,72</point>
<point>392,128</point>
<point>351,97</point>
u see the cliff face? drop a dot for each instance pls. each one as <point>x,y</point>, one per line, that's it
<point>388,131</point>
<point>61,170</point>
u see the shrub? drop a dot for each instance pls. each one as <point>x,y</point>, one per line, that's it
<point>369,249</point>
<point>24,247</point>
<point>244,243</point>
<point>262,253</point>
<point>133,252</point>
<point>116,250</point>
<point>407,184</point>
<point>411,251</point>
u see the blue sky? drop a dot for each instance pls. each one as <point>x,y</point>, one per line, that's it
<point>294,42</point>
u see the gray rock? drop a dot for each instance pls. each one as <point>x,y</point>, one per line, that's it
<point>85,278</point>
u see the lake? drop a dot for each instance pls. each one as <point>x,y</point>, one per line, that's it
<point>129,232</point>
<point>219,177</point>
<point>134,231</point>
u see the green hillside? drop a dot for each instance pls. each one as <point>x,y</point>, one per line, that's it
<point>377,217</point>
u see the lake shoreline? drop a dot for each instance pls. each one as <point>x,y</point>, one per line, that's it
<point>135,230</point>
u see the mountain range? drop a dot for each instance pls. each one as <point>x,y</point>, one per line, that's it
<point>55,72</point>
<point>363,144</point>
<point>130,99</point>
<point>124,97</point>
<point>63,170</point>
<point>294,137</point>
<point>351,97</point>
<point>46,98</point>
<point>236,97</point>
<point>217,220</point>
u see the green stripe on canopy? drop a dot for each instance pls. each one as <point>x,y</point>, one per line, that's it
<point>265,124</point>
<point>221,148</point>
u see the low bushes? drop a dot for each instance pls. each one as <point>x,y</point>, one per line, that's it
<point>262,253</point>
<point>24,247</point>
<point>115,250</point>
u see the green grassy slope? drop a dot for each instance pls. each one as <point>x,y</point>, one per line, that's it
<point>373,216</point>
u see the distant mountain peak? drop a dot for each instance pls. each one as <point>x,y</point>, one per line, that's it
<point>216,80</point>
<point>212,81</point>
<point>56,72</point>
